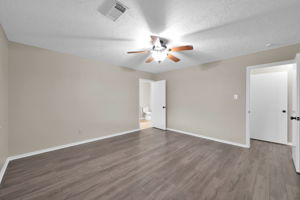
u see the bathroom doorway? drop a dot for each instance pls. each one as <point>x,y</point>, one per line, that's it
<point>145,111</point>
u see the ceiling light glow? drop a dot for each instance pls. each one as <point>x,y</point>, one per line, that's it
<point>159,55</point>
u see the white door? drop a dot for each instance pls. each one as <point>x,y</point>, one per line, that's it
<point>295,115</point>
<point>268,106</point>
<point>158,101</point>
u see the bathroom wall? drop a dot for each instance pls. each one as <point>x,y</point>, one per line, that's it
<point>145,96</point>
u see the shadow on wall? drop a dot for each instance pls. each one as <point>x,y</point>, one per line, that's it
<point>156,21</point>
<point>208,66</point>
<point>136,59</point>
<point>105,7</point>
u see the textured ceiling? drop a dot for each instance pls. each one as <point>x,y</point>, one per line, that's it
<point>218,29</point>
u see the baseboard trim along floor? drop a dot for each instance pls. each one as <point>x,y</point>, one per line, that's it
<point>155,163</point>
<point>209,138</point>
<point>3,169</point>
<point>11,158</point>
<point>2,172</point>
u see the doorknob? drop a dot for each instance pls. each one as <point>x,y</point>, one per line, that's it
<point>284,111</point>
<point>164,107</point>
<point>295,118</point>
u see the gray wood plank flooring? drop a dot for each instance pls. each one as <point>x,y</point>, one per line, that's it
<point>155,165</point>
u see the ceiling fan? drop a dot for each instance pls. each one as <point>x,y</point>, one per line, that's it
<point>160,51</point>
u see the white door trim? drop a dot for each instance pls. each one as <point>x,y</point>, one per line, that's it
<point>248,70</point>
<point>296,140</point>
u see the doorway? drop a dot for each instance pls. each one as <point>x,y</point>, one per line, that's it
<point>270,100</point>
<point>272,104</point>
<point>145,110</point>
<point>293,108</point>
<point>152,104</point>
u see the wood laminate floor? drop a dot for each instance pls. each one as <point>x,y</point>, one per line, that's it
<point>153,165</point>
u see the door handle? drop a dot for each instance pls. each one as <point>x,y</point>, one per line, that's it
<point>164,107</point>
<point>284,111</point>
<point>295,118</point>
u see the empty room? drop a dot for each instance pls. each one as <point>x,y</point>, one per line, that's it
<point>149,100</point>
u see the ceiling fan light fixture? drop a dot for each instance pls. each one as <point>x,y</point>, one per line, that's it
<point>160,51</point>
<point>159,55</point>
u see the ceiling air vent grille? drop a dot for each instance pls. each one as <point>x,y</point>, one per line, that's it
<point>116,10</point>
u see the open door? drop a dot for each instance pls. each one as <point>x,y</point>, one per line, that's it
<point>295,115</point>
<point>158,100</point>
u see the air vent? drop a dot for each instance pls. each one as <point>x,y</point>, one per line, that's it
<point>116,11</point>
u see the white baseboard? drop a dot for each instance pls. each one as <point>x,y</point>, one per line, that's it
<point>3,169</point>
<point>290,143</point>
<point>59,147</point>
<point>209,138</point>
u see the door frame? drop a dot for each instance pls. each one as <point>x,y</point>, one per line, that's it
<point>142,80</point>
<point>248,73</point>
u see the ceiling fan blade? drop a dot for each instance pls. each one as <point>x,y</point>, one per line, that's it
<point>182,48</point>
<point>138,52</point>
<point>149,60</point>
<point>173,58</point>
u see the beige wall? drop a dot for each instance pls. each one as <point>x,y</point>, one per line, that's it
<point>3,97</point>
<point>56,98</point>
<point>200,98</point>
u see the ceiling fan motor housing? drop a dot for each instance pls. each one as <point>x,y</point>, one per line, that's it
<point>161,47</point>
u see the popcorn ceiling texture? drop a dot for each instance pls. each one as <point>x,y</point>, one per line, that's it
<point>217,29</point>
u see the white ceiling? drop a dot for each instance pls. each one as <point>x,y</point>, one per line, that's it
<point>218,29</point>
